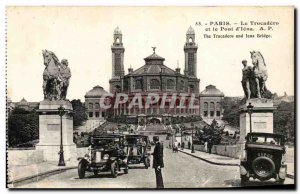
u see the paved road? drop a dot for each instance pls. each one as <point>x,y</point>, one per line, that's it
<point>181,171</point>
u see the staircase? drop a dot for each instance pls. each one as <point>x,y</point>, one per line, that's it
<point>90,125</point>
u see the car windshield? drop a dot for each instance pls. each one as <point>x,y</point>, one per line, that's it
<point>265,139</point>
<point>104,141</point>
<point>135,140</point>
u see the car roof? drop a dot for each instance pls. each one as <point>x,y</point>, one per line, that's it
<point>134,135</point>
<point>267,134</point>
<point>106,136</point>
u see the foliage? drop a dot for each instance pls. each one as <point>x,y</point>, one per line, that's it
<point>231,111</point>
<point>284,119</point>
<point>213,132</point>
<point>80,114</point>
<point>23,126</point>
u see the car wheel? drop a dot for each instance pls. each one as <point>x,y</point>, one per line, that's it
<point>244,179</point>
<point>114,169</point>
<point>81,170</point>
<point>125,170</point>
<point>263,167</point>
<point>146,163</point>
<point>281,181</point>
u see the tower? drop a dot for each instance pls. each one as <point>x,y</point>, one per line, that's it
<point>190,54</point>
<point>117,54</point>
<point>117,50</point>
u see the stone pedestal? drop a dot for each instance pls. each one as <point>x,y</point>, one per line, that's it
<point>262,117</point>
<point>50,131</point>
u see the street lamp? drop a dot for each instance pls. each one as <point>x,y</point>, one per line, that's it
<point>250,111</point>
<point>193,150</point>
<point>61,112</point>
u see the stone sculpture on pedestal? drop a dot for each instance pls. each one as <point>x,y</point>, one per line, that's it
<point>255,90</point>
<point>56,79</point>
<point>254,78</point>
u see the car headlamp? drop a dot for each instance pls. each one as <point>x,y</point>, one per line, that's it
<point>106,156</point>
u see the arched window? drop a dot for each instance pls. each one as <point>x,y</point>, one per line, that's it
<point>117,88</point>
<point>212,105</point>
<point>154,84</point>
<point>90,106</point>
<point>117,40</point>
<point>170,84</point>
<point>218,105</point>
<point>97,106</point>
<point>205,105</point>
<point>191,88</point>
<point>138,83</point>
<point>181,85</point>
<point>190,40</point>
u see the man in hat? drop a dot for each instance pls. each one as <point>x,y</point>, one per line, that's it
<point>158,162</point>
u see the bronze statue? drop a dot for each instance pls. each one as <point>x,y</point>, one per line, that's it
<point>65,75</point>
<point>260,72</point>
<point>56,77</point>
<point>247,71</point>
<point>254,78</point>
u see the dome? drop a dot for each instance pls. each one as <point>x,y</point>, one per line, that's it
<point>190,30</point>
<point>211,90</point>
<point>154,56</point>
<point>154,65</point>
<point>24,101</point>
<point>117,31</point>
<point>97,91</point>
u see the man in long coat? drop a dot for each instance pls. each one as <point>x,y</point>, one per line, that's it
<point>158,162</point>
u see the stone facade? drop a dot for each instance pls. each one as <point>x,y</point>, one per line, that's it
<point>21,104</point>
<point>262,117</point>
<point>50,130</point>
<point>210,103</point>
<point>93,101</point>
<point>156,77</point>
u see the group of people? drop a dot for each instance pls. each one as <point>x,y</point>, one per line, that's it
<point>207,146</point>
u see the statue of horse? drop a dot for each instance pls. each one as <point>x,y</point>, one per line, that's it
<point>51,76</point>
<point>260,73</point>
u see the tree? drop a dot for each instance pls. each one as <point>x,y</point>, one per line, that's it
<point>284,119</point>
<point>23,126</point>
<point>80,114</point>
<point>231,111</point>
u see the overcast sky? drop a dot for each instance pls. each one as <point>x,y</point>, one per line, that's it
<point>84,36</point>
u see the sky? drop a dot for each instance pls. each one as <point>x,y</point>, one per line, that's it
<point>84,36</point>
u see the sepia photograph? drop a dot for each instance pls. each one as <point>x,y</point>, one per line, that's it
<point>150,97</point>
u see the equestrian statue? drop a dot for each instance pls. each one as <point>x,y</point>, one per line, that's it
<point>254,78</point>
<point>56,77</point>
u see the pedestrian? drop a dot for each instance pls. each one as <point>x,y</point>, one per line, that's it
<point>182,145</point>
<point>158,162</point>
<point>189,145</point>
<point>205,147</point>
<point>209,145</point>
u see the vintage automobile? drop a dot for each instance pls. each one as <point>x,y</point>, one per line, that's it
<point>263,157</point>
<point>105,154</point>
<point>137,147</point>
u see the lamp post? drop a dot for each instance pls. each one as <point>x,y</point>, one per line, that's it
<point>193,150</point>
<point>250,111</point>
<point>181,138</point>
<point>61,162</point>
